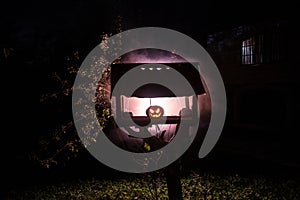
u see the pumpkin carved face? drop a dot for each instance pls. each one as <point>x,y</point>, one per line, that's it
<point>155,111</point>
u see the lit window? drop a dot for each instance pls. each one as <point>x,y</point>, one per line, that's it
<point>248,47</point>
<point>252,50</point>
<point>263,48</point>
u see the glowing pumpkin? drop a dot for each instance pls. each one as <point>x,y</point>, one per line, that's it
<point>155,111</point>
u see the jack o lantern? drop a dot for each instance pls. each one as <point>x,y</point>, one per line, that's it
<point>155,111</point>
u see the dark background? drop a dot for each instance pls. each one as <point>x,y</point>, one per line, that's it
<point>43,33</point>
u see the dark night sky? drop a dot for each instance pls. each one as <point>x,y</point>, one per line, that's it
<point>43,33</point>
<point>39,30</point>
<point>82,17</point>
<point>53,29</point>
<point>58,27</point>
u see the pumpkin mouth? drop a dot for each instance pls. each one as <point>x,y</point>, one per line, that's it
<point>155,112</point>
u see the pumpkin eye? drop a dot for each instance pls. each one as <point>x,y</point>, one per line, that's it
<point>158,110</point>
<point>151,111</point>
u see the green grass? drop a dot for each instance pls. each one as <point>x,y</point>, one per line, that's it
<point>194,186</point>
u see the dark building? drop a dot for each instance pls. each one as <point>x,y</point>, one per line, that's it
<point>259,66</point>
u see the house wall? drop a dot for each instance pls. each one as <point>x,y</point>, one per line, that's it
<point>261,97</point>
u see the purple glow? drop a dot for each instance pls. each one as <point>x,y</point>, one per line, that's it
<point>171,105</point>
<point>152,56</point>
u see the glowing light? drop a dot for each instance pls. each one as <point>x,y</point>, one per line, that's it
<point>143,68</point>
<point>154,56</point>
<point>151,68</point>
<point>171,105</point>
<point>158,68</point>
<point>155,111</point>
<point>167,67</point>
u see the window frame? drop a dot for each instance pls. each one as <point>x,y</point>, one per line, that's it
<point>267,48</point>
<point>257,54</point>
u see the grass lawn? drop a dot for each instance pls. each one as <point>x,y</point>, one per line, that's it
<point>152,186</point>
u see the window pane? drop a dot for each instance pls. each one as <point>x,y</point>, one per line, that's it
<point>248,51</point>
